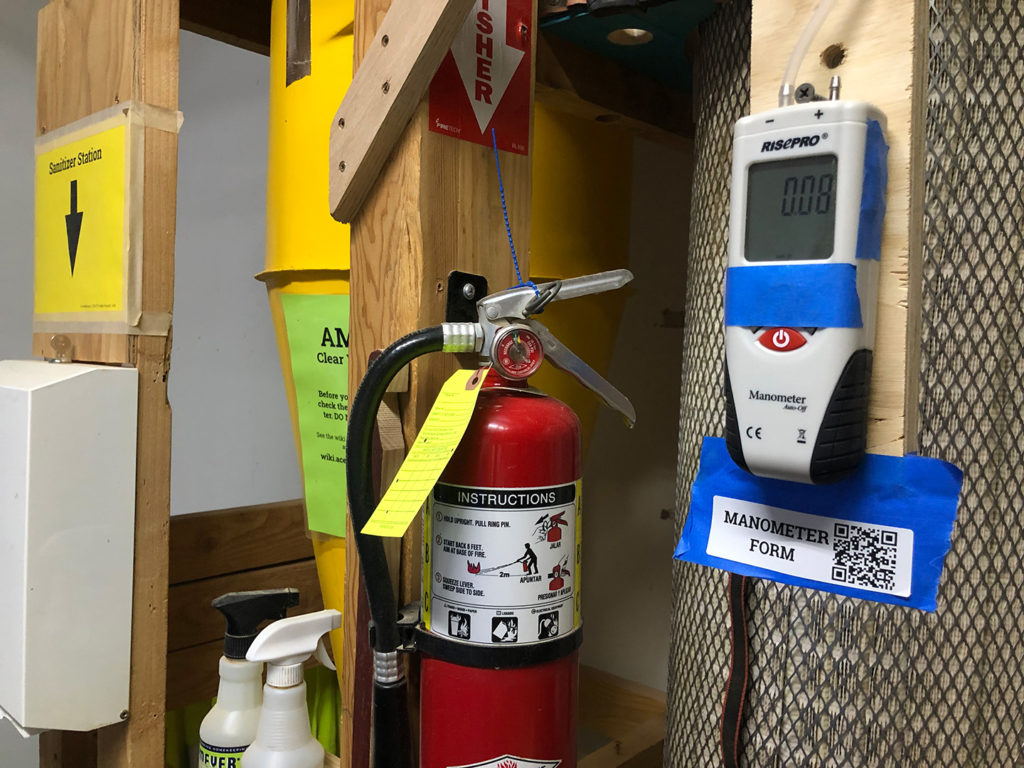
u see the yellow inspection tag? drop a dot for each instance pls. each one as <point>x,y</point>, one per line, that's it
<point>440,436</point>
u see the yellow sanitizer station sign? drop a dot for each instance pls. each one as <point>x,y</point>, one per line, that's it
<point>82,241</point>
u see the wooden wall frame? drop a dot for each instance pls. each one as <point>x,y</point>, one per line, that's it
<point>404,233</point>
<point>139,41</point>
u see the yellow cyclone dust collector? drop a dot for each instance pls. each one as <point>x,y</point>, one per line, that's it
<point>307,250</point>
<point>580,218</point>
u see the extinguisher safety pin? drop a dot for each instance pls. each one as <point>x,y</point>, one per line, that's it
<point>544,297</point>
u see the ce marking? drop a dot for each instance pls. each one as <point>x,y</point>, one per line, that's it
<point>754,433</point>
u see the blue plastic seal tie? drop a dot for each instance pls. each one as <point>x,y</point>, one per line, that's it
<point>872,199</point>
<point>880,535</point>
<point>793,296</point>
<point>504,212</point>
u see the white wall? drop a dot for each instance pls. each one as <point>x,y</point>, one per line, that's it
<point>630,475</point>
<point>17,131</point>
<point>232,441</point>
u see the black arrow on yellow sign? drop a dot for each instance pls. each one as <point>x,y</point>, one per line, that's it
<point>73,222</point>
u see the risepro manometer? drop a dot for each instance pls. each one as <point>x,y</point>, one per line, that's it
<point>808,199</point>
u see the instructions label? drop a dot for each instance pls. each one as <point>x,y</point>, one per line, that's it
<point>318,336</point>
<point>430,453</point>
<point>81,237</point>
<point>826,549</point>
<point>500,564</point>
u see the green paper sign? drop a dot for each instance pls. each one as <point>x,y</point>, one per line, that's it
<point>317,328</point>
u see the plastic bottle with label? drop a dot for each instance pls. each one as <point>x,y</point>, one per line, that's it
<point>284,738</point>
<point>230,727</point>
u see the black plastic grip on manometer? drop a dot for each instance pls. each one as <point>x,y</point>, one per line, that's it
<point>843,436</point>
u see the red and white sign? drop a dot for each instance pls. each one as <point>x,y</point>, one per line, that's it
<point>484,81</point>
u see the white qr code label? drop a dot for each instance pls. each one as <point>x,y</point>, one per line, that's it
<point>815,547</point>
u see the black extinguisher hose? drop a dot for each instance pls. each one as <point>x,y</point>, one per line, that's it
<point>390,714</point>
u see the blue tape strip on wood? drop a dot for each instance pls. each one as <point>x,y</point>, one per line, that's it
<point>872,199</point>
<point>793,296</point>
<point>855,531</point>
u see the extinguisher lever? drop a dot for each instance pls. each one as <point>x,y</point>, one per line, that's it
<point>519,303</point>
<point>566,360</point>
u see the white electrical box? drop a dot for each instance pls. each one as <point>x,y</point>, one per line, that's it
<point>67,532</point>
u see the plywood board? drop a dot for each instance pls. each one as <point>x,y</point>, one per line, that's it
<point>882,56</point>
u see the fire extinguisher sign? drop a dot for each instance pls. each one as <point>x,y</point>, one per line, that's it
<point>483,82</point>
<point>500,564</point>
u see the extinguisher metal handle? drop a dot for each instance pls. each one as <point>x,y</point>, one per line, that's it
<point>518,303</point>
<point>566,360</point>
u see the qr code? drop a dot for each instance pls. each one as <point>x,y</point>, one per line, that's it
<point>864,557</point>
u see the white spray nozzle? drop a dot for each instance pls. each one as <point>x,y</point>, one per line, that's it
<point>287,643</point>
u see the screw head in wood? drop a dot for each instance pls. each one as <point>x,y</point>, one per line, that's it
<point>341,122</point>
<point>386,87</point>
<point>384,41</point>
<point>342,166</point>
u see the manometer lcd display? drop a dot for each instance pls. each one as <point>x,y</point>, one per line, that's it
<point>791,209</point>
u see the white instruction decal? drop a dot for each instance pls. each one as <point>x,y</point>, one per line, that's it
<point>500,563</point>
<point>826,549</point>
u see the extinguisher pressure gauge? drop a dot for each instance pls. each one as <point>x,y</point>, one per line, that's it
<point>517,344</point>
<point>517,352</point>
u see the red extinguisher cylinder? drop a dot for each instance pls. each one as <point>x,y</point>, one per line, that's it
<point>502,549</point>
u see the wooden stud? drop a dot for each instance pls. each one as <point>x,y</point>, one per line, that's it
<point>92,54</point>
<point>191,674</point>
<point>191,620</point>
<point>434,208</point>
<point>87,347</point>
<point>614,706</point>
<point>882,58</point>
<point>224,541</point>
<point>642,747</point>
<point>392,78</point>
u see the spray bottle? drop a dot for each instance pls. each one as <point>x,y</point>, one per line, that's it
<point>283,738</point>
<point>230,726</point>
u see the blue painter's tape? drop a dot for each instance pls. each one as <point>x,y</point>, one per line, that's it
<point>909,492</point>
<point>872,199</point>
<point>793,296</point>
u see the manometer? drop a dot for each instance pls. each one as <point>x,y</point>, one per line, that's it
<point>808,198</point>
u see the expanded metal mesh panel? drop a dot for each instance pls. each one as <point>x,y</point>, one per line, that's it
<point>698,666</point>
<point>842,682</point>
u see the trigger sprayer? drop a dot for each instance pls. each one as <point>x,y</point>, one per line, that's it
<point>230,727</point>
<point>283,736</point>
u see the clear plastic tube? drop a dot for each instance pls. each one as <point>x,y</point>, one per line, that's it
<point>800,50</point>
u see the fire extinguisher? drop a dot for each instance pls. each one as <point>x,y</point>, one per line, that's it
<point>498,629</point>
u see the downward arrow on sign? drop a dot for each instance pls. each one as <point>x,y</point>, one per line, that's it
<point>73,222</point>
<point>484,60</point>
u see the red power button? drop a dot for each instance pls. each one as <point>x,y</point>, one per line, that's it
<point>782,339</point>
